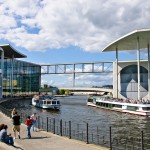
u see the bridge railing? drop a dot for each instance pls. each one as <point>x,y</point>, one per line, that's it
<point>83,67</point>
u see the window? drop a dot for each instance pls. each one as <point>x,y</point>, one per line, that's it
<point>146,108</point>
<point>132,108</point>
<point>53,102</point>
<point>48,102</point>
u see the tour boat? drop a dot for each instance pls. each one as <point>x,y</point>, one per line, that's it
<point>46,102</point>
<point>142,109</point>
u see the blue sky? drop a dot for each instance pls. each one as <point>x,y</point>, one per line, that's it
<point>69,31</point>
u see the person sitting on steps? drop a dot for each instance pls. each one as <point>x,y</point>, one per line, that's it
<point>8,139</point>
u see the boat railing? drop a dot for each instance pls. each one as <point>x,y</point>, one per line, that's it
<point>132,101</point>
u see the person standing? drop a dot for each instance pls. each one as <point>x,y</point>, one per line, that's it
<point>4,137</point>
<point>13,112</point>
<point>34,123</point>
<point>16,123</point>
<point>29,124</point>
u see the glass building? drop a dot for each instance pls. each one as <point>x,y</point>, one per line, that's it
<point>18,78</point>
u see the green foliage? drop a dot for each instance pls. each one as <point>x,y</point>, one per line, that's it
<point>67,92</point>
<point>61,91</point>
<point>45,86</point>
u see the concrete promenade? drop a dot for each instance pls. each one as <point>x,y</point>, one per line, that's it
<point>43,140</point>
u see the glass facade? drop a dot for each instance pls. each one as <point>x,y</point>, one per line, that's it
<point>20,78</point>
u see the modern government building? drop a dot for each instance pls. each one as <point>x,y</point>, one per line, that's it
<point>18,78</point>
<point>131,79</point>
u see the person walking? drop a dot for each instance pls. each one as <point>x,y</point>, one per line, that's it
<point>8,139</point>
<point>16,123</point>
<point>29,124</point>
<point>34,123</point>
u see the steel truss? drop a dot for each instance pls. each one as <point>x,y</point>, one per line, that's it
<point>84,67</point>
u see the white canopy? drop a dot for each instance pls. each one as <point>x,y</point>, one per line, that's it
<point>129,41</point>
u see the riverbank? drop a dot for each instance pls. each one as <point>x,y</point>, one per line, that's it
<point>44,140</point>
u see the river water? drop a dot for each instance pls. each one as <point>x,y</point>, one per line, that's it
<point>74,109</point>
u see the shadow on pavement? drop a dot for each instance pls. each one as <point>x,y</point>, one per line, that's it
<point>35,138</point>
<point>17,147</point>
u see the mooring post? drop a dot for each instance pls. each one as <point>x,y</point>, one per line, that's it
<point>87,133</point>
<point>110,138</point>
<point>69,129</point>
<point>142,143</point>
<point>61,127</point>
<point>47,125</point>
<point>54,125</point>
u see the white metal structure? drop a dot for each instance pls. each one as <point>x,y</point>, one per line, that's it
<point>136,40</point>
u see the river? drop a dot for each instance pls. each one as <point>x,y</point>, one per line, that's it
<point>74,109</point>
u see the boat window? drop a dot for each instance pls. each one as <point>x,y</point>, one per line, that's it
<point>106,105</point>
<point>58,102</point>
<point>118,106</point>
<point>146,108</point>
<point>53,102</point>
<point>103,104</point>
<point>90,100</point>
<point>44,102</point>
<point>113,105</point>
<point>98,103</point>
<point>132,108</point>
<point>48,102</point>
<point>110,105</point>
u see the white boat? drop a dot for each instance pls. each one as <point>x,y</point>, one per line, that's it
<point>46,102</point>
<point>91,101</point>
<point>109,103</point>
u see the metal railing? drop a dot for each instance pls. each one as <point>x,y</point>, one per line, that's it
<point>89,134</point>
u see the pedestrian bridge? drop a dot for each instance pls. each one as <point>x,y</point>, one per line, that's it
<point>87,89</point>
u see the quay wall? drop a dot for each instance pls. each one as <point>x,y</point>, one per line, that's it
<point>43,138</point>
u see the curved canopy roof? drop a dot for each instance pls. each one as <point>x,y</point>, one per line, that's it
<point>10,52</point>
<point>129,41</point>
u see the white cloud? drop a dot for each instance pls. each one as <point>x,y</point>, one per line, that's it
<point>90,25</point>
<point>84,80</point>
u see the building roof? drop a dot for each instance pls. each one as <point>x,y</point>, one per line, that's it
<point>129,41</point>
<point>10,52</point>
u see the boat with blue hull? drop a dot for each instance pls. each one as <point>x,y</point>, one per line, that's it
<point>124,106</point>
<point>46,102</point>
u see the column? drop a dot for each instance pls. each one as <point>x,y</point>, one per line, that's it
<point>116,72</point>
<point>148,72</point>
<point>138,67</point>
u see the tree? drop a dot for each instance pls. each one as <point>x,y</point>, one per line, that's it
<point>45,86</point>
<point>62,91</point>
<point>67,92</point>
